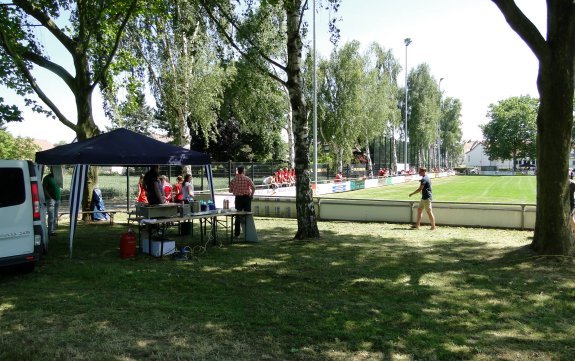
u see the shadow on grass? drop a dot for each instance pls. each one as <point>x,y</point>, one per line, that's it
<point>356,293</point>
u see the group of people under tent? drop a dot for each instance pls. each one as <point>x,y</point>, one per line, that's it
<point>154,188</point>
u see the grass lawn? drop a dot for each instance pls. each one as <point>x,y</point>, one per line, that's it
<point>489,189</point>
<point>364,291</point>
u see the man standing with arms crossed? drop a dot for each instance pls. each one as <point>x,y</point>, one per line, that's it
<point>425,202</point>
<point>243,188</point>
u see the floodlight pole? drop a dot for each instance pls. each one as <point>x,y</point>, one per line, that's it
<point>314,101</point>
<point>407,41</point>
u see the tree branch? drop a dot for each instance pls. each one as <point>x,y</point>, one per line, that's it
<point>53,67</point>
<point>154,77</point>
<point>303,8</point>
<point>524,28</point>
<point>242,52</point>
<point>26,72</point>
<point>98,77</point>
<point>47,22</point>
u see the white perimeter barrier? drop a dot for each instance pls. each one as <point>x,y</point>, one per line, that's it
<point>281,203</point>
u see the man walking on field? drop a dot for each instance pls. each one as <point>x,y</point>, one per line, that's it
<point>425,202</point>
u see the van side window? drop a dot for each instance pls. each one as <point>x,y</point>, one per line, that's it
<point>13,190</point>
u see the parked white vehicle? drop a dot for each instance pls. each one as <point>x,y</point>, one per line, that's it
<point>23,231</point>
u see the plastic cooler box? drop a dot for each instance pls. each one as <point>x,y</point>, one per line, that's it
<point>169,247</point>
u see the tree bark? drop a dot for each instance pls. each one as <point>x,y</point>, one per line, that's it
<point>306,217</point>
<point>554,120</point>
<point>289,130</point>
<point>86,127</point>
<point>554,123</point>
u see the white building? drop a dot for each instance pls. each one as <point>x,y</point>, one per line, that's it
<point>474,156</point>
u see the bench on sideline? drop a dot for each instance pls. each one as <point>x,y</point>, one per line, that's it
<point>112,213</point>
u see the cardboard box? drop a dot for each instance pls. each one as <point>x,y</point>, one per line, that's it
<point>169,247</point>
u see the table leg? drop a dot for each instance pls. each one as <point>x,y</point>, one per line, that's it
<point>214,230</point>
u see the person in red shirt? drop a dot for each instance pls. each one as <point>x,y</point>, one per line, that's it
<point>291,177</point>
<point>285,176</point>
<point>142,198</point>
<point>338,177</point>
<point>243,188</point>
<point>279,177</point>
<point>178,195</point>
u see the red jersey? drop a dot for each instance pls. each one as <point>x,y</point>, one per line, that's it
<point>168,192</point>
<point>179,195</point>
<point>142,198</point>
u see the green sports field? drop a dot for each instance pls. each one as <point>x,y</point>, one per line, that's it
<point>483,189</point>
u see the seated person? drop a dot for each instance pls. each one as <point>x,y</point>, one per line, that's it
<point>285,177</point>
<point>269,182</point>
<point>98,206</point>
<point>279,177</point>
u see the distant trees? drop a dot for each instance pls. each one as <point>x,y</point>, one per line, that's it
<point>424,113</point>
<point>17,147</point>
<point>451,148</point>
<point>511,132</point>
<point>357,99</point>
<point>340,100</point>
<point>172,52</point>
<point>380,114</point>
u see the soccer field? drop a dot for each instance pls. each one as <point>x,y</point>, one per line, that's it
<point>485,189</point>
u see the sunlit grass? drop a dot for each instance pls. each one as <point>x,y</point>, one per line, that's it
<point>483,189</point>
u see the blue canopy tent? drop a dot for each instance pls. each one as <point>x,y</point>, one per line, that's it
<point>119,147</point>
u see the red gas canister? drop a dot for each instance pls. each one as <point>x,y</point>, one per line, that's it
<point>128,244</point>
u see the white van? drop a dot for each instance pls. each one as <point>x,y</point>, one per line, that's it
<point>23,230</point>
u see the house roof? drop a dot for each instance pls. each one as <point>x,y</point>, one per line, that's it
<point>43,144</point>
<point>470,145</point>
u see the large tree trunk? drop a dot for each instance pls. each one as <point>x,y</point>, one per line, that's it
<point>554,123</point>
<point>86,128</point>
<point>554,120</point>
<point>289,128</point>
<point>306,217</point>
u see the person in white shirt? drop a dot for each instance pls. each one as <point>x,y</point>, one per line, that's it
<point>188,189</point>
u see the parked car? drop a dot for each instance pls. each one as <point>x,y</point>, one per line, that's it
<point>23,230</point>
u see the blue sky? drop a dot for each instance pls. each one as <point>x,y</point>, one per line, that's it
<point>466,42</point>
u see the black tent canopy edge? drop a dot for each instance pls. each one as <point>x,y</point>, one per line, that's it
<point>121,147</point>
